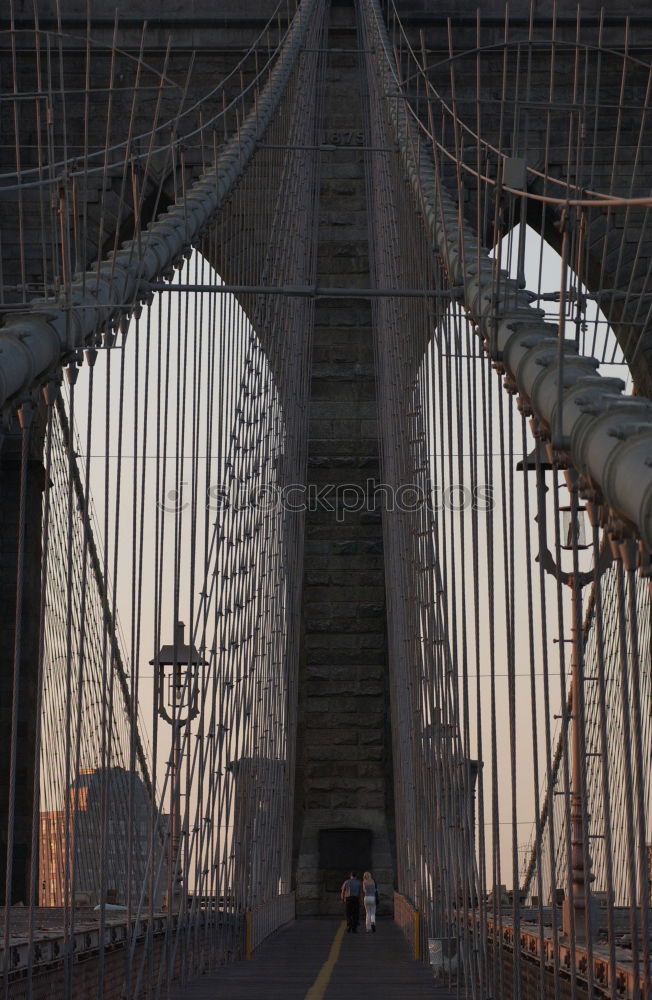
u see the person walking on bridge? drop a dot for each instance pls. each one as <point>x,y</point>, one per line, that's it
<point>370,897</point>
<point>350,895</point>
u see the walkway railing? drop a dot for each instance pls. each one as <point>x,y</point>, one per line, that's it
<point>409,920</point>
<point>549,956</point>
<point>266,919</point>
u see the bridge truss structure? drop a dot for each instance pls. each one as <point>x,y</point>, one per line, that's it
<point>160,278</point>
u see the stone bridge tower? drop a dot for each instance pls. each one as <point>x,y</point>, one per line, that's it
<point>344,802</point>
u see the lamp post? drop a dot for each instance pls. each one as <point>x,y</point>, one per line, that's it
<point>576,911</point>
<point>183,697</point>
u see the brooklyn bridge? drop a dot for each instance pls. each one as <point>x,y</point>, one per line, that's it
<point>325,499</point>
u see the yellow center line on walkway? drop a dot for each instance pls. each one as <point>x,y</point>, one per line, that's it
<point>318,988</point>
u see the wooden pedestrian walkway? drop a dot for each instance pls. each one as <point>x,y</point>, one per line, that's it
<point>317,960</point>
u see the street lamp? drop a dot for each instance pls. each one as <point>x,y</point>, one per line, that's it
<point>575,911</point>
<point>183,700</point>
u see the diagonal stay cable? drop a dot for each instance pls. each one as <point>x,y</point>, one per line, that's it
<point>101,585</point>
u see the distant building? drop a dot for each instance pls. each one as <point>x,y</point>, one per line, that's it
<point>52,858</point>
<point>452,779</point>
<point>100,827</point>
<point>260,800</point>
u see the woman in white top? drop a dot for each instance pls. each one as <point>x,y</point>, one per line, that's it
<point>369,896</point>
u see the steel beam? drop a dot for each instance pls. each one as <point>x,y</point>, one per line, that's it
<point>311,291</point>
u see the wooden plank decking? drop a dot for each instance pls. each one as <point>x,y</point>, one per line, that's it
<point>287,967</point>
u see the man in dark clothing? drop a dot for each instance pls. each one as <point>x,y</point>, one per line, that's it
<point>351,898</point>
